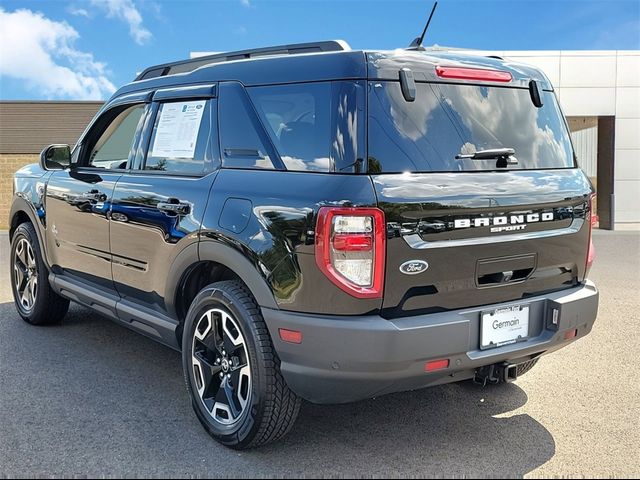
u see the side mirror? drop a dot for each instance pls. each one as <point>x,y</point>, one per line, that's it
<point>56,157</point>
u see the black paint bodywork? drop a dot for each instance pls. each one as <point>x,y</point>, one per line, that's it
<point>104,230</point>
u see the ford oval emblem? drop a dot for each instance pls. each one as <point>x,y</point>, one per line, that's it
<point>414,267</point>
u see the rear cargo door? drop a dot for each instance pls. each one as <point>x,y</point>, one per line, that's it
<point>465,231</point>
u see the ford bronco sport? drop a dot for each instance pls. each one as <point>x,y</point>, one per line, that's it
<point>312,222</point>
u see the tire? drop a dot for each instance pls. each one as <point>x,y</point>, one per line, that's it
<point>37,303</point>
<point>232,370</point>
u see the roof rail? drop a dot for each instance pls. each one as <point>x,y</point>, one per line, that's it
<point>191,64</point>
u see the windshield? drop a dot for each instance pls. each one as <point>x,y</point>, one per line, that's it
<point>449,120</point>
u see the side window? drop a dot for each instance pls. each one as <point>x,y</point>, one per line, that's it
<point>298,119</point>
<point>181,137</point>
<point>112,146</point>
<point>243,142</point>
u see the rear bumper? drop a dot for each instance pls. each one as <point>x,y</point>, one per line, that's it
<point>348,358</point>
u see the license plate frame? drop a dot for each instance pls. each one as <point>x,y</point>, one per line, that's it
<point>497,327</point>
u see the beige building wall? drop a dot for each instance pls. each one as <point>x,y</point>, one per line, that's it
<point>26,128</point>
<point>9,163</point>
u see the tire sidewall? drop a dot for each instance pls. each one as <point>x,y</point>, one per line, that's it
<point>241,432</point>
<point>27,232</point>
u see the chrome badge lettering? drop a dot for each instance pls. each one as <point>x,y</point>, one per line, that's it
<point>504,223</point>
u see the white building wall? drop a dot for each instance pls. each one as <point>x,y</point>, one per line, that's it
<point>599,83</point>
<point>585,143</point>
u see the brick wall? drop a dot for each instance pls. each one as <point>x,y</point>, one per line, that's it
<point>9,163</point>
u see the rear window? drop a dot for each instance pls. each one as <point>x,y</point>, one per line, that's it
<point>447,120</point>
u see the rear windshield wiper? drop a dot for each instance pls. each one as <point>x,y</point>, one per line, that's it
<point>504,156</point>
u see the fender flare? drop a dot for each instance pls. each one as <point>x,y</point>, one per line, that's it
<point>225,255</point>
<point>21,205</point>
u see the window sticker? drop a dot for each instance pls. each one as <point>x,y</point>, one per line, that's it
<point>177,130</point>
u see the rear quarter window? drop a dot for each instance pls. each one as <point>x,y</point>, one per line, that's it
<point>314,127</point>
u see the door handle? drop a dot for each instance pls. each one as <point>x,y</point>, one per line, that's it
<point>93,196</point>
<point>175,207</point>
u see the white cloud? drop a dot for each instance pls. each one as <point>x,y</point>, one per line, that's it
<point>78,12</point>
<point>40,48</point>
<point>126,11</point>
<point>245,3</point>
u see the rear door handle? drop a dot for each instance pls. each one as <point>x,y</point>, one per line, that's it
<point>175,207</point>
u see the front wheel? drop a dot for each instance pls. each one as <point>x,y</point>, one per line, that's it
<point>36,302</point>
<point>232,371</point>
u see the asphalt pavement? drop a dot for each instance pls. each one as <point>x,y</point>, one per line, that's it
<point>90,398</point>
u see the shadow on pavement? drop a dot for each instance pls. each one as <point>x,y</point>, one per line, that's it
<point>91,398</point>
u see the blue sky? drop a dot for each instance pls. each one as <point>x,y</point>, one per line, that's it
<point>83,49</point>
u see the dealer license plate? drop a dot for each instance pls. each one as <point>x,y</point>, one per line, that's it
<point>504,326</point>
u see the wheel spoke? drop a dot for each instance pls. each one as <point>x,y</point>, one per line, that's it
<point>226,395</point>
<point>242,386</point>
<point>24,297</point>
<point>21,252</point>
<point>210,342</point>
<point>210,374</point>
<point>33,288</point>
<point>231,332</point>
<point>25,274</point>
<point>20,276</point>
<point>204,327</point>
<point>228,346</point>
<point>206,373</point>
<point>31,259</point>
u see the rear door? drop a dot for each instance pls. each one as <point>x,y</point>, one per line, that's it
<point>158,205</point>
<point>464,231</point>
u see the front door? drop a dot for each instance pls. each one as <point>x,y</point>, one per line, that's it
<point>78,200</point>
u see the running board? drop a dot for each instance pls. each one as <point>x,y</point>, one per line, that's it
<point>145,321</point>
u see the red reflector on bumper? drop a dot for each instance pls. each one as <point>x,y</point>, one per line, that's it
<point>570,334</point>
<point>290,336</point>
<point>436,365</point>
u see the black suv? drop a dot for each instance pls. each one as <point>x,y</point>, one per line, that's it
<point>307,221</point>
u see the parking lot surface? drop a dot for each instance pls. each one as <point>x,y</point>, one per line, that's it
<point>90,398</point>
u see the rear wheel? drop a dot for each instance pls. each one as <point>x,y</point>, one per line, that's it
<point>34,298</point>
<point>232,371</point>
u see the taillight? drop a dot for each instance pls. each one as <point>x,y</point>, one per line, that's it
<point>464,73</point>
<point>350,249</point>
<point>593,218</point>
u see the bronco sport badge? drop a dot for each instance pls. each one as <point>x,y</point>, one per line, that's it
<point>504,223</point>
